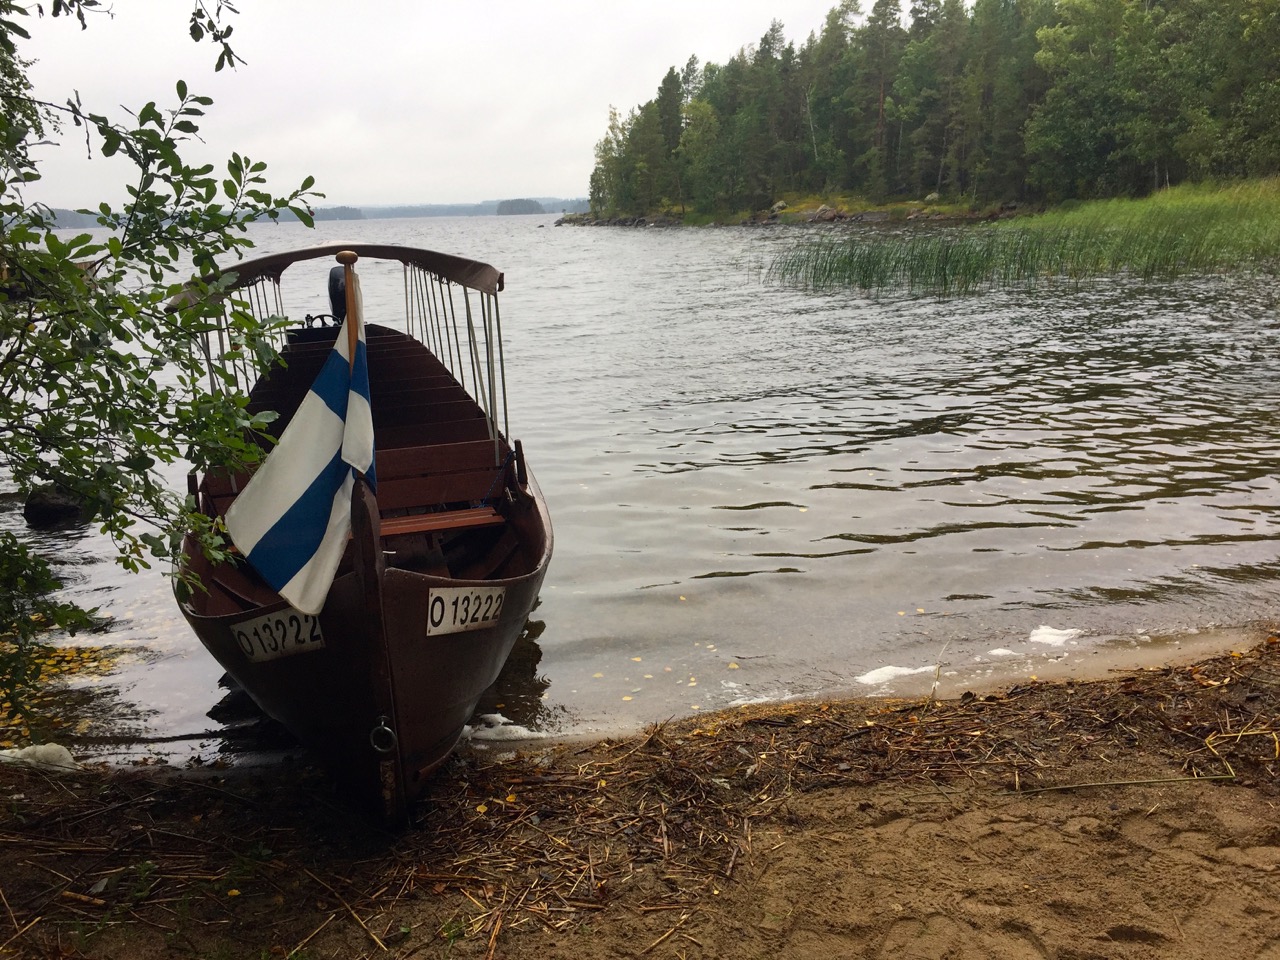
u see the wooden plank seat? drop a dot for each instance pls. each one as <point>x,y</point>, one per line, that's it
<point>453,431</point>
<point>318,352</point>
<point>376,346</point>
<point>440,521</point>
<point>416,415</point>
<point>288,392</point>
<point>398,385</point>
<point>317,338</point>
<point>277,398</point>
<point>462,486</point>
<point>402,493</point>
<point>398,414</point>
<point>385,363</point>
<point>411,460</point>
<point>395,365</point>
<point>415,392</point>
<point>411,478</point>
<point>433,522</point>
<point>381,369</point>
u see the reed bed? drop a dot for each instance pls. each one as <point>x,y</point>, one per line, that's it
<point>1188,230</point>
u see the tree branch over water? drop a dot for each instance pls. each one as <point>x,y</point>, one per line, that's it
<point>104,386</point>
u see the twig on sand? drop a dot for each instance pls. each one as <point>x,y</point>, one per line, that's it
<point>355,916</point>
<point>493,935</point>
<point>309,937</point>
<point>31,923</point>
<point>1122,783</point>
<point>679,923</point>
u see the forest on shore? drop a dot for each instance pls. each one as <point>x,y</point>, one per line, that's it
<point>997,101</point>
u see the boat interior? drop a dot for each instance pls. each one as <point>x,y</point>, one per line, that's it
<point>450,488</point>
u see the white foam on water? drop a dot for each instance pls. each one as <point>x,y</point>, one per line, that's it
<point>885,674</point>
<point>494,726</point>
<point>1052,636</point>
<point>751,701</point>
<point>52,755</point>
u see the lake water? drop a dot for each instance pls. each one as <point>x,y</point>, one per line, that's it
<point>761,493</point>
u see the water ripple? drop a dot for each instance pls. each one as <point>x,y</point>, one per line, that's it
<point>826,484</point>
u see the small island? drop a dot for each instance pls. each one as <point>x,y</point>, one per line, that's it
<point>513,208</point>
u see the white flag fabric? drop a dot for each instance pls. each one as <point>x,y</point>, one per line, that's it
<point>293,519</point>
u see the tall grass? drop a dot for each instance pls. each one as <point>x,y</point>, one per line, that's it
<point>1184,230</point>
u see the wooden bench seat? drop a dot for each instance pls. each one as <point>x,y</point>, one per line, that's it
<point>455,431</point>
<point>443,520</point>
<point>419,460</point>
<point>467,472</point>
<point>425,476</point>
<point>396,415</point>
<point>381,397</point>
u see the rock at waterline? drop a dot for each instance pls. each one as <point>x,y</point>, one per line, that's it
<point>50,506</point>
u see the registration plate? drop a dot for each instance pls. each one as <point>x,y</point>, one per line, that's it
<point>279,634</point>
<point>456,609</point>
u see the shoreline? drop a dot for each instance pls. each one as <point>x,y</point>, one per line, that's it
<point>1124,817</point>
<point>243,737</point>
<point>1081,661</point>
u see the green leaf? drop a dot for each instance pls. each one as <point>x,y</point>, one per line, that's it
<point>149,114</point>
<point>8,26</point>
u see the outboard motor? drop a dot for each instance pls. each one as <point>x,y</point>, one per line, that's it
<point>338,293</point>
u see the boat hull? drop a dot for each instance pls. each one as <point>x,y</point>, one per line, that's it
<point>449,537</point>
<point>358,718</point>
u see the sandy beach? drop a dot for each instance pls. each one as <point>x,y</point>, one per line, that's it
<point>1129,817</point>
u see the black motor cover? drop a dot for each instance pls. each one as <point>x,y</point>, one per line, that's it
<point>338,293</point>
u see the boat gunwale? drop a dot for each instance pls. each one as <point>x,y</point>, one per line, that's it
<point>474,274</point>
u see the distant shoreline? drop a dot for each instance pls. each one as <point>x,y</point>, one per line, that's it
<point>72,219</point>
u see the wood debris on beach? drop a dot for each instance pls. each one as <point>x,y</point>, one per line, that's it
<point>661,823</point>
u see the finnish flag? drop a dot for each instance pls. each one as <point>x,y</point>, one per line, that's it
<point>293,519</point>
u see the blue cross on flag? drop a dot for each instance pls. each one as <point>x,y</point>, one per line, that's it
<point>293,519</point>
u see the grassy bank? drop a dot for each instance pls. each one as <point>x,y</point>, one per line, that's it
<point>1183,230</point>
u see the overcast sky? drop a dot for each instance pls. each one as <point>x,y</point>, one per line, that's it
<point>388,101</point>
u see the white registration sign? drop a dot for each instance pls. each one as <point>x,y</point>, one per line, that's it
<point>455,609</point>
<point>278,634</point>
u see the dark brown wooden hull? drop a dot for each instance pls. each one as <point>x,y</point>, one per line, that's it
<point>366,685</point>
<point>328,697</point>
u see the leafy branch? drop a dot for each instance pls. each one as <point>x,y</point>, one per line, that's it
<point>105,386</point>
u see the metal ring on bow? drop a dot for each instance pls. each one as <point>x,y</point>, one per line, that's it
<point>382,738</point>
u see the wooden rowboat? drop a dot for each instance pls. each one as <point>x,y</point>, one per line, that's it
<point>446,551</point>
